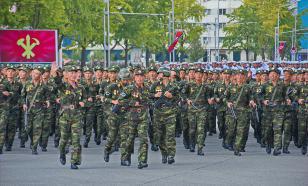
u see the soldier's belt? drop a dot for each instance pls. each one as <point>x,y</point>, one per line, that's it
<point>39,105</point>
<point>139,109</point>
<point>68,107</point>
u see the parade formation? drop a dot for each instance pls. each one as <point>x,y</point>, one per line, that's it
<point>154,105</point>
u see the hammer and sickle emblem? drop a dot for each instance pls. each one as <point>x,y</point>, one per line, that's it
<point>28,46</point>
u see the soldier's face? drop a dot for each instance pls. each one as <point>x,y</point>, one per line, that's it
<point>264,77</point>
<point>98,74</point>
<point>72,75</point>
<point>287,76</point>
<point>35,74</point>
<point>152,75</point>
<point>172,74</point>
<point>88,75</point>
<point>258,77</point>
<point>215,76</point>
<point>198,76</point>
<point>22,74</point>
<point>113,76</point>
<point>46,75</point>
<point>10,73</point>
<point>139,79</point>
<point>191,74</point>
<point>182,74</point>
<point>273,76</point>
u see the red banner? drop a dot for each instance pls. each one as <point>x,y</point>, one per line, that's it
<point>28,46</point>
<point>178,35</point>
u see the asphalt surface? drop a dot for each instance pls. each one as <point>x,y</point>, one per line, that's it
<point>217,167</point>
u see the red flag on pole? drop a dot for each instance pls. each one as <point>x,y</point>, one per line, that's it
<point>281,46</point>
<point>178,35</point>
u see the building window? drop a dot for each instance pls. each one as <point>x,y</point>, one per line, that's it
<point>205,40</point>
<point>221,39</point>
<point>222,25</point>
<point>222,11</point>
<point>207,11</point>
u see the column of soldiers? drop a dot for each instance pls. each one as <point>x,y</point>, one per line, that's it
<point>154,105</point>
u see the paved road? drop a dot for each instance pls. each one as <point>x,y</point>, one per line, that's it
<point>217,167</point>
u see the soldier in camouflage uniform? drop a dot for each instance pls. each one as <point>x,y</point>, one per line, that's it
<point>166,97</point>
<point>71,100</point>
<point>35,102</point>
<point>184,108</point>
<point>219,94</point>
<point>136,96</point>
<point>89,109</point>
<point>13,112</point>
<point>238,99</point>
<point>274,99</point>
<point>4,107</point>
<point>98,106</point>
<point>301,98</point>
<point>199,97</point>
<point>22,135</point>
<point>117,119</point>
<point>212,111</point>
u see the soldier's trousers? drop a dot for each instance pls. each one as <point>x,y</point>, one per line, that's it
<point>287,129</point>
<point>70,128</point>
<point>302,127</point>
<point>57,125</point>
<point>196,120</point>
<point>150,128</point>
<point>212,120</point>
<point>3,118</point>
<point>238,130</point>
<point>273,120</point>
<point>185,127</point>
<point>10,126</point>
<point>118,129</point>
<point>164,130</point>
<point>221,121</point>
<point>35,124</point>
<point>101,123</point>
<point>46,127</point>
<point>178,127</point>
<point>90,118</point>
<point>138,125</point>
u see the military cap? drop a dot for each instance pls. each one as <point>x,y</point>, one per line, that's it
<point>113,68</point>
<point>98,68</point>
<point>242,71</point>
<point>288,70</point>
<point>274,70</point>
<point>199,70</point>
<point>46,68</point>
<point>71,68</point>
<point>139,72</point>
<point>22,67</point>
<point>152,68</point>
<point>39,68</point>
<point>166,73</point>
<point>87,69</point>
<point>227,71</point>
<point>10,67</point>
<point>124,74</point>
<point>162,69</point>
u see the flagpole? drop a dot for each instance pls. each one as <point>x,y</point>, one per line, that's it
<point>173,31</point>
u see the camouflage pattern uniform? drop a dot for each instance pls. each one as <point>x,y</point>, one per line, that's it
<point>4,107</point>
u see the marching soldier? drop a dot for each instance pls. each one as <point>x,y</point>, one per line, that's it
<point>238,99</point>
<point>35,102</point>
<point>165,96</point>
<point>199,97</point>
<point>136,96</point>
<point>71,100</point>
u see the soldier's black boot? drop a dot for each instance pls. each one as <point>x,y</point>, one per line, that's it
<point>220,135</point>
<point>230,147</point>
<point>98,141</point>
<point>224,145</point>
<point>85,144</point>
<point>62,159</point>
<point>1,151</point>
<point>106,156</point>
<point>34,151</point>
<point>22,144</point>
<point>192,148</point>
<point>74,166</point>
<point>8,148</point>
<point>154,147</point>
<point>164,159</point>
<point>200,152</point>
<point>56,143</point>
<point>142,165</point>
<point>304,149</point>
<point>44,149</point>
<point>171,160</point>
<point>268,149</point>
<point>285,150</point>
<point>237,153</point>
<point>276,152</point>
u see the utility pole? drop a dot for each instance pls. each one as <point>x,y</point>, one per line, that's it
<point>218,33</point>
<point>173,31</point>
<point>105,34</point>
